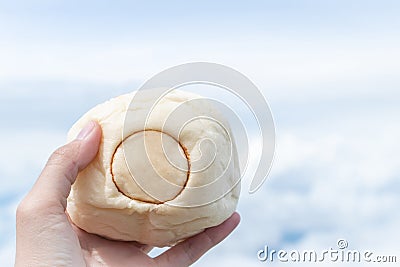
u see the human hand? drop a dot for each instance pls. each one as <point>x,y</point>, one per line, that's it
<point>46,236</point>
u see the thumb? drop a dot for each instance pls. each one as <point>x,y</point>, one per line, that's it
<point>54,183</point>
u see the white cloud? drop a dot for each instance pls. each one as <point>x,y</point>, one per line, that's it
<point>326,185</point>
<point>335,66</point>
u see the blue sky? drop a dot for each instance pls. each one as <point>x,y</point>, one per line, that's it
<point>88,19</point>
<point>330,71</point>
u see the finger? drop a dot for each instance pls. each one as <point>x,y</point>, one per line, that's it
<point>87,238</point>
<point>54,184</point>
<point>190,250</point>
<point>112,252</point>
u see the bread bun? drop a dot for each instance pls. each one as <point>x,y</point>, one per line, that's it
<point>161,182</point>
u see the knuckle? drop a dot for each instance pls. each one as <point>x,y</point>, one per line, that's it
<point>188,248</point>
<point>31,207</point>
<point>66,156</point>
<point>209,239</point>
<point>67,152</point>
<point>24,209</point>
<point>20,210</point>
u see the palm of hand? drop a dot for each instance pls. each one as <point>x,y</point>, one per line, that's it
<point>46,236</point>
<point>83,249</point>
<point>97,251</point>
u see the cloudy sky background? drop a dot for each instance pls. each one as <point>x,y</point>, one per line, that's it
<point>329,70</point>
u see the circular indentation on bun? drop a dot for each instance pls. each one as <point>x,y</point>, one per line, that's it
<point>150,166</point>
<point>162,185</point>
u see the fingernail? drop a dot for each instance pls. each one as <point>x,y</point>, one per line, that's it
<point>86,130</point>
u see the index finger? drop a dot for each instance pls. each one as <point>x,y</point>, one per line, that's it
<point>190,250</point>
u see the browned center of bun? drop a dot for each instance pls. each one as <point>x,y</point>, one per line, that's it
<point>150,166</point>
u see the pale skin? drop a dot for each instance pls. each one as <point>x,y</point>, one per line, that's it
<point>47,237</point>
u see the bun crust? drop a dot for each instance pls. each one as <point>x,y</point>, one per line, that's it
<point>161,184</point>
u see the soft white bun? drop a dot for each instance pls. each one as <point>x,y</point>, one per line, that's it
<point>161,185</point>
